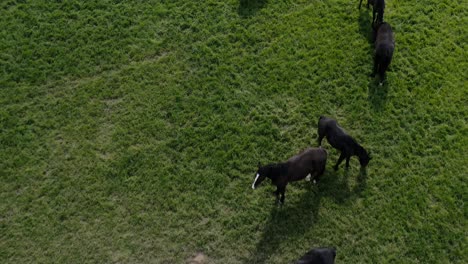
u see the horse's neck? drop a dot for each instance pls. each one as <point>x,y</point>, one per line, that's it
<point>278,169</point>
<point>353,144</point>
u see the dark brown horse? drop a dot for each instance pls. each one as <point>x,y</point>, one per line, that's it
<point>384,47</point>
<point>310,161</point>
<point>340,140</point>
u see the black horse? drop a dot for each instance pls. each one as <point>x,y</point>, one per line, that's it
<point>310,161</point>
<point>318,256</point>
<point>378,7</point>
<point>384,47</point>
<point>340,140</point>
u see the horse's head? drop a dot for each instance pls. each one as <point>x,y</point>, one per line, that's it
<point>364,157</point>
<point>261,174</point>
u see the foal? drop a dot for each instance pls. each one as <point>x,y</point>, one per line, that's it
<point>384,46</point>
<point>340,140</point>
<point>311,161</point>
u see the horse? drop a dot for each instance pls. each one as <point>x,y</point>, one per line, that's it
<point>340,140</point>
<point>318,256</point>
<point>311,162</point>
<point>378,7</point>
<point>384,47</point>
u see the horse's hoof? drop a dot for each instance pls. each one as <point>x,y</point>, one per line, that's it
<point>315,182</point>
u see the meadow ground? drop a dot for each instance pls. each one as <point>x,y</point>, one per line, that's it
<point>131,132</point>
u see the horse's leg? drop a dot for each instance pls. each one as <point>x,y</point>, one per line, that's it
<point>316,177</point>
<point>382,78</point>
<point>376,65</point>
<point>340,159</point>
<point>383,69</point>
<point>360,2</point>
<point>276,193</point>
<point>380,14</point>
<point>321,132</point>
<point>320,140</point>
<point>347,160</point>
<point>373,16</point>
<point>281,190</point>
<point>319,173</point>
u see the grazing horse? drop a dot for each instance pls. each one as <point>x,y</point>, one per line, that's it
<point>384,46</point>
<point>340,140</point>
<point>318,256</point>
<point>310,161</point>
<point>378,7</point>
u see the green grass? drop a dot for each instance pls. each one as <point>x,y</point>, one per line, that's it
<point>130,132</point>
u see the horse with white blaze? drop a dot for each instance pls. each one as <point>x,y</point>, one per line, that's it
<point>311,162</point>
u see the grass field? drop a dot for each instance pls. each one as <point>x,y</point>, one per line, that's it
<point>131,132</point>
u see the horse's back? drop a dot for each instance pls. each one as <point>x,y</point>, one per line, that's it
<point>331,130</point>
<point>326,121</point>
<point>384,44</point>
<point>318,256</point>
<point>306,162</point>
<point>316,154</point>
<point>385,36</point>
<point>309,159</point>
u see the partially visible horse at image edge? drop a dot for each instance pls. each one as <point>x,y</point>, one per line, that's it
<point>318,256</point>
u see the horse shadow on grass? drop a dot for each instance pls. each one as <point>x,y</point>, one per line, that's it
<point>361,182</point>
<point>336,185</point>
<point>377,94</point>
<point>248,8</point>
<point>365,25</point>
<point>294,219</point>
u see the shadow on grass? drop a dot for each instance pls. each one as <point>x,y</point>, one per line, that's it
<point>248,8</point>
<point>361,182</point>
<point>377,95</point>
<point>335,184</point>
<point>286,222</point>
<point>294,219</point>
<point>365,25</point>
